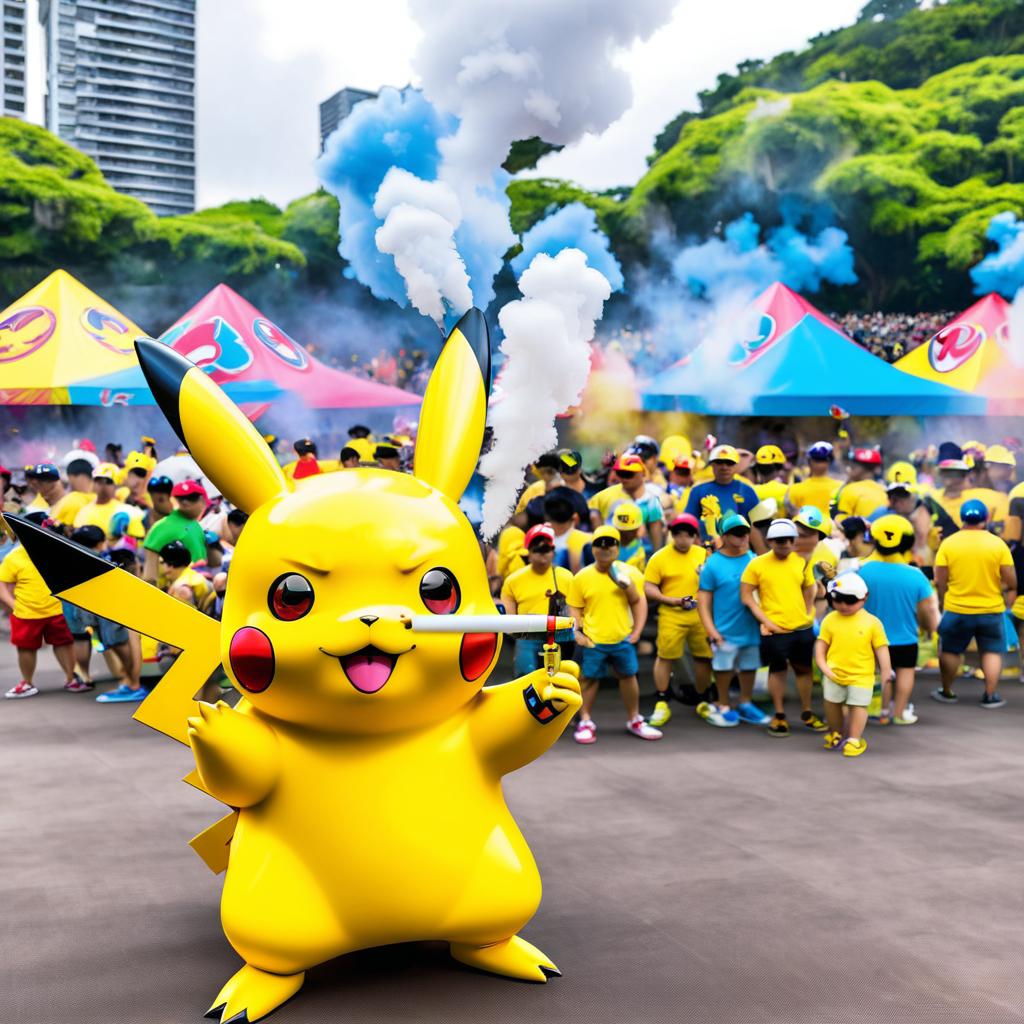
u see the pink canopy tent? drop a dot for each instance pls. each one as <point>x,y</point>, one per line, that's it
<point>233,341</point>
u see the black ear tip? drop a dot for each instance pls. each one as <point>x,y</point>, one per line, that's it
<point>473,327</point>
<point>164,370</point>
<point>61,563</point>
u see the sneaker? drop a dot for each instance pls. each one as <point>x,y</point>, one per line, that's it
<point>662,713</point>
<point>752,714</point>
<point>854,748</point>
<point>778,727</point>
<point>77,685</point>
<point>811,721</point>
<point>944,696</point>
<point>991,700</point>
<point>638,727</point>
<point>909,717</point>
<point>124,694</point>
<point>23,689</point>
<point>833,740</point>
<point>724,718</point>
<point>586,732</point>
<point>703,709</point>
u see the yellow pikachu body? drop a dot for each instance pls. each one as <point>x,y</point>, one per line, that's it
<point>365,759</point>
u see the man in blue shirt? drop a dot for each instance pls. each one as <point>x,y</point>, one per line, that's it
<point>733,632</point>
<point>901,596</point>
<point>714,499</point>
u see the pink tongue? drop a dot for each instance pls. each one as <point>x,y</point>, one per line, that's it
<point>368,672</point>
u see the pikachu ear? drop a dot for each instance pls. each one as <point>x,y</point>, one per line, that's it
<point>454,411</point>
<point>226,445</point>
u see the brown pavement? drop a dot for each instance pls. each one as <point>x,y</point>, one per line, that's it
<point>716,876</point>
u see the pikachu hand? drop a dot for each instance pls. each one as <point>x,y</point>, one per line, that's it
<point>563,688</point>
<point>236,754</point>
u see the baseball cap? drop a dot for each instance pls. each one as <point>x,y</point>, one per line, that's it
<point>539,532</point>
<point>821,451</point>
<point>644,446</point>
<point>627,516</point>
<point>606,531</point>
<point>188,489</point>
<point>629,462</point>
<point>106,471</point>
<point>139,460</point>
<point>685,519</point>
<point>733,521</point>
<point>764,510</point>
<point>887,531</point>
<point>43,471</point>
<point>902,472</point>
<point>780,529</point>
<point>849,584</point>
<point>1000,455</point>
<point>770,455</point>
<point>973,511</point>
<point>724,453</point>
<point>951,456</point>
<point>866,456</point>
<point>160,483</point>
<point>683,462</point>
<point>569,460</point>
<point>814,519</point>
<point>899,485</point>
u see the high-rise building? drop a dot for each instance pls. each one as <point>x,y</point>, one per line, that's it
<point>12,60</point>
<point>120,87</point>
<point>334,110</point>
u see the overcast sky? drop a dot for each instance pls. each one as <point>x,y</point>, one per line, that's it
<point>265,65</point>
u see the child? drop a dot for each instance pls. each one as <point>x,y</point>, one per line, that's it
<point>849,642</point>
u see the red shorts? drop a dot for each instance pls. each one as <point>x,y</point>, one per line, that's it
<point>29,634</point>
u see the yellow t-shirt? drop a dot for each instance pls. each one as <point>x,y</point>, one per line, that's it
<point>576,541</point>
<point>101,516</point>
<point>510,550</point>
<point>852,641</point>
<point>772,489</point>
<point>974,558</point>
<point>535,490</point>
<point>997,503</point>
<point>607,618</point>
<point>780,583</point>
<point>861,498</point>
<point>677,575</point>
<point>815,490</point>
<point>530,589</point>
<point>65,509</point>
<point>1015,512</point>
<point>32,598</point>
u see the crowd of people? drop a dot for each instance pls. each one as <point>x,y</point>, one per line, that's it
<point>729,564</point>
<point>890,336</point>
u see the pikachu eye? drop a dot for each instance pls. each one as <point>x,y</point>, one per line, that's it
<point>439,591</point>
<point>291,596</point>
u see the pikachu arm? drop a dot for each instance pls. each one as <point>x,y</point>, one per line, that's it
<point>236,754</point>
<point>514,723</point>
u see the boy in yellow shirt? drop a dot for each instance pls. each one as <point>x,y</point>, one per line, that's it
<point>848,644</point>
<point>607,601</point>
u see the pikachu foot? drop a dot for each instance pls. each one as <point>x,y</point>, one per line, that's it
<point>251,994</point>
<point>514,958</point>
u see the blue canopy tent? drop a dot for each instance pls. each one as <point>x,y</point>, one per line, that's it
<point>798,363</point>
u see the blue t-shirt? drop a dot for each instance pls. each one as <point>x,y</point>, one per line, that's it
<point>722,499</point>
<point>721,578</point>
<point>894,591</point>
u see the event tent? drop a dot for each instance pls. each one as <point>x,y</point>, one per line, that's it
<point>785,358</point>
<point>972,352</point>
<point>234,342</point>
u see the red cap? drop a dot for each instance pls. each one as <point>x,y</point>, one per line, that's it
<point>4,471</point>
<point>188,488</point>
<point>630,462</point>
<point>683,462</point>
<point>87,446</point>
<point>869,456</point>
<point>540,530</point>
<point>685,519</point>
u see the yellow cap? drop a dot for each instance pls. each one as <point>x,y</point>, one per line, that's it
<point>889,530</point>
<point>106,471</point>
<point>674,446</point>
<point>139,460</point>
<point>770,455</point>
<point>998,455</point>
<point>724,453</point>
<point>627,516</point>
<point>902,473</point>
<point>364,446</point>
<point>606,531</point>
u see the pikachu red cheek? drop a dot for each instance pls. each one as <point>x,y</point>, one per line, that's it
<point>476,653</point>
<point>252,659</point>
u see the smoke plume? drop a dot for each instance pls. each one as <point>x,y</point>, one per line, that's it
<point>1003,270</point>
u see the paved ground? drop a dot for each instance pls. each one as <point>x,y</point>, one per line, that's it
<point>716,876</point>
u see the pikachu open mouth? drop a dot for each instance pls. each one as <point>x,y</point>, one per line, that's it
<point>368,669</point>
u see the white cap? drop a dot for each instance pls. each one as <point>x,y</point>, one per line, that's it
<point>781,528</point>
<point>851,584</point>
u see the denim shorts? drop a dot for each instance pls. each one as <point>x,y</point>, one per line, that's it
<point>79,620</point>
<point>957,630</point>
<point>618,660</point>
<point>727,657</point>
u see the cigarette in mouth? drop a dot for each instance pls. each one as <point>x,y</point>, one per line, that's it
<point>485,623</point>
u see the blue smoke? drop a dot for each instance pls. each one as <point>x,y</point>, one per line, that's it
<point>399,129</point>
<point>741,262</point>
<point>572,227</point>
<point>1003,270</point>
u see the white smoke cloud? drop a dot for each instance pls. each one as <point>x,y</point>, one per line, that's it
<point>547,335</point>
<point>769,108</point>
<point>1015,320</point>
<point>420,220</point>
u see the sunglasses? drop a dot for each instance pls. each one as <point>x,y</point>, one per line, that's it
<point>541,549</point>
<point>605,542</point>
<point>676,530</point>
<point>740,531</point>
<point>846,599</point>
<point>190,497</point>
<point>626,474</point>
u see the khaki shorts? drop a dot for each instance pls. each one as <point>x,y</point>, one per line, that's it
<point>851,696</point>
<point>674,634</point>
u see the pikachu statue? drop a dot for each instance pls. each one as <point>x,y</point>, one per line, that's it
<point>363,762</point>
